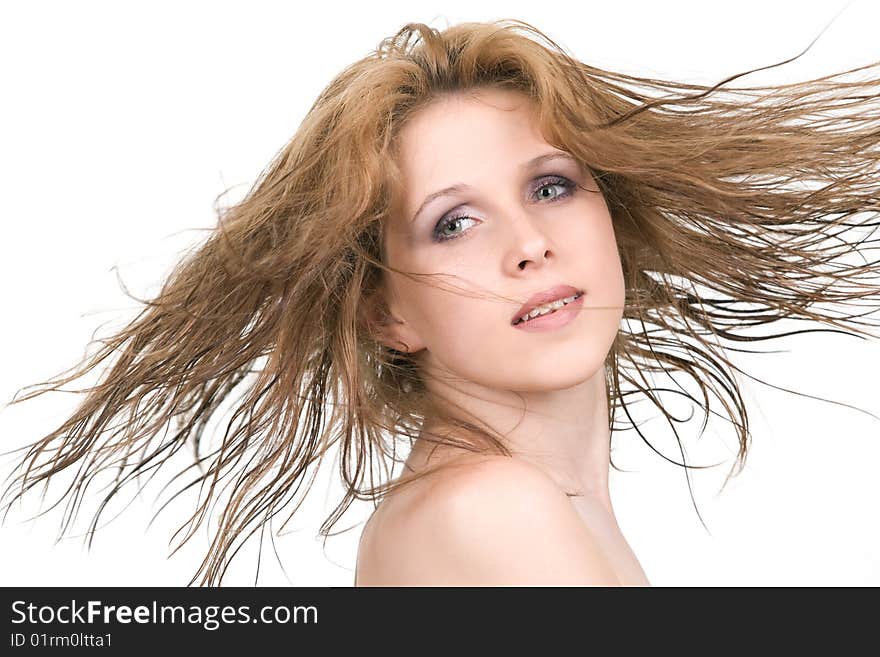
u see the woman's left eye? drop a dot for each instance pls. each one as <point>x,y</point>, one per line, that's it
<point>542,183</point>
<point>565,183</point>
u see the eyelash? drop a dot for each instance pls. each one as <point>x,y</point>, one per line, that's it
<point>547,181</point>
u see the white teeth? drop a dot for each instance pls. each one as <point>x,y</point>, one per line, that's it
<point>547,308</point>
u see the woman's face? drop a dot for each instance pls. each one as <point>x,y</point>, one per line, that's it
<point>513,229</point>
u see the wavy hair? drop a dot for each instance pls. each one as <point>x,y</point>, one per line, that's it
<point>733,208</point>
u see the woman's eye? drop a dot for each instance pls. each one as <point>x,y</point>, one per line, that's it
<point>547,182</point>
<point>565,184</point>
<point>446,223</point>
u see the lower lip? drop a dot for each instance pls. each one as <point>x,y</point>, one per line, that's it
<point>553,320</point>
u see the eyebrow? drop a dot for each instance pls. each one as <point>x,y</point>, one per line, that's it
<point>459,187</point>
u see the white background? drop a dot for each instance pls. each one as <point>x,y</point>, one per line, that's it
<point>119,126</point>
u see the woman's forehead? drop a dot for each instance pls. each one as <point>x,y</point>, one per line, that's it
<point>490,113</point>
<point>446,143</point>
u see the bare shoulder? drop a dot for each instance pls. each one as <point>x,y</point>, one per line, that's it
<point>491,520</point>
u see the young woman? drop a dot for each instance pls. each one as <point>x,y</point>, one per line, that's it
<point>481,247</point>
<point>528,224</point>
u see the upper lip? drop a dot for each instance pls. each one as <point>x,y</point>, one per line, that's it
<point>539,299</point>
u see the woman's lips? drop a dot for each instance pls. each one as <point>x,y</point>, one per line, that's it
<point>553,294</point>
<point>556,319</point>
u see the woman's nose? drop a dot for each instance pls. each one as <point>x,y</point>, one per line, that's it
<point>529,242</point>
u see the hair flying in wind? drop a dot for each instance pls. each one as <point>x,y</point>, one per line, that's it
<point>734,208</point>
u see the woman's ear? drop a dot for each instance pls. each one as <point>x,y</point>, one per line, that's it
<point>386,325</point>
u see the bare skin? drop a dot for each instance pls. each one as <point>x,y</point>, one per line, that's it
<point>544,392</point>
<point>390,537</point>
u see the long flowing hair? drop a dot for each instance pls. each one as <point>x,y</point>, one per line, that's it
<point>733,208</point>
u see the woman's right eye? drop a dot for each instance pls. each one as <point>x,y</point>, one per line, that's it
<point>446,222</point>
